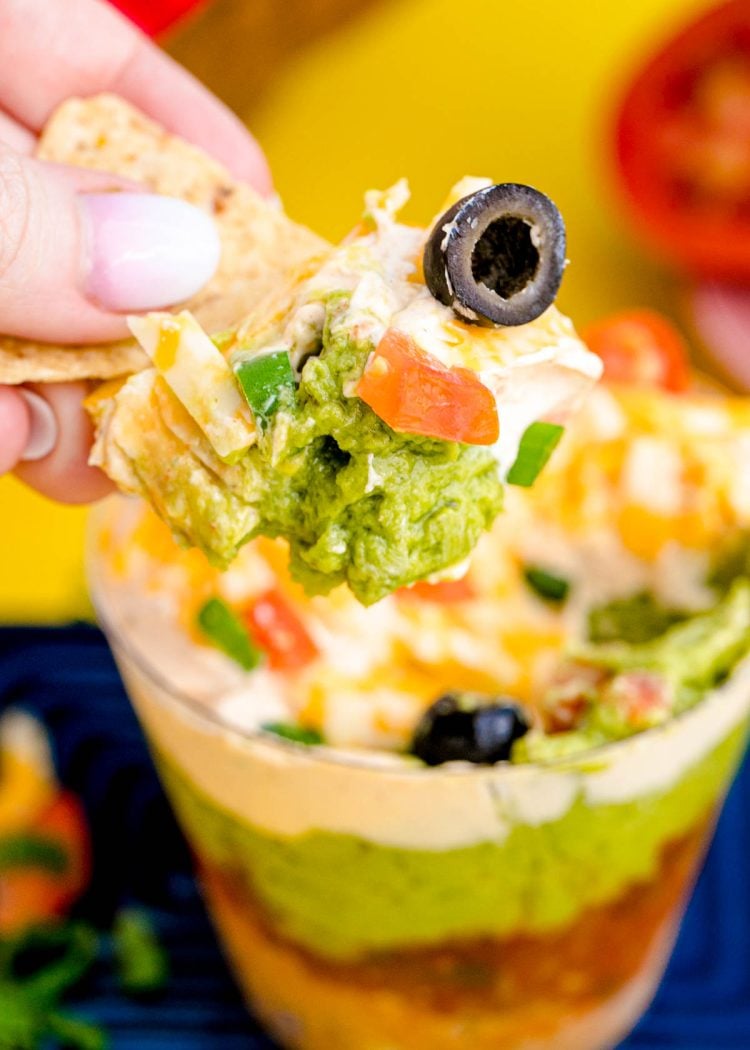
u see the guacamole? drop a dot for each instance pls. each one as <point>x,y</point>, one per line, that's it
<point>662,663</point>
<point>358,502</point>
<point>692,655</point>
<point>537,880</point>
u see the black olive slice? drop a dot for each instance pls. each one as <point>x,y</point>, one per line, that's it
<point>466,727</point>
<point>497,256</point>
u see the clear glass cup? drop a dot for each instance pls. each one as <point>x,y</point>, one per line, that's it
<point>369,904</point>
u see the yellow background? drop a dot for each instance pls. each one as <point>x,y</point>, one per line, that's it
<point>431,89</point>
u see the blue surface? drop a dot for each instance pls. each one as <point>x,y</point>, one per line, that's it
<point>67,677</point>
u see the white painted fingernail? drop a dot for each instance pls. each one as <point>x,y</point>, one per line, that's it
<point>146,251</point>
<point>42,427</point>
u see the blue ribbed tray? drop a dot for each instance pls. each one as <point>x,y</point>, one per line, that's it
<point>66,676</point>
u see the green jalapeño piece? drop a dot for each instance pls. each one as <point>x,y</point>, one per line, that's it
<point>222,626</point>
<point>263,378</point>
<point>537,445</point>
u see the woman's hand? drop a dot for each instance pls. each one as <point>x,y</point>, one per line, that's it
<point>74,257</point>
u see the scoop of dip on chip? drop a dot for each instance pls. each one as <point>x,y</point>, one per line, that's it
<point>366,402</point>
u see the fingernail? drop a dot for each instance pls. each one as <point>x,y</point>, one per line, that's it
<point>146,251</point>
<point>42,428</point>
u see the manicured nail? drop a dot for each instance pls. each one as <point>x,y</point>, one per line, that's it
<point>147,251</point>
<point>42,429</point>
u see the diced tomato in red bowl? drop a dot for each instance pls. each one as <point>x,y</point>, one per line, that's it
<point>682,145</point>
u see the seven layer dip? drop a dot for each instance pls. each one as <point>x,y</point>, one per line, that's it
<point>369,901</point>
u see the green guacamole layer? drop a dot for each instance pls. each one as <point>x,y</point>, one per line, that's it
<point>342,896</point>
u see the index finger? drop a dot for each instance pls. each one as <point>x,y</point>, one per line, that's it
<point>51,50</point>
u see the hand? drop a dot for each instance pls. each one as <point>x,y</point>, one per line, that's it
<point>74,258</point>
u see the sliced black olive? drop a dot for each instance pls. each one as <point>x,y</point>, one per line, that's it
<point>497,256</point>
<point>465,727</point>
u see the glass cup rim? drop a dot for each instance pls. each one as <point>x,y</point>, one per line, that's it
<point>324,753</point>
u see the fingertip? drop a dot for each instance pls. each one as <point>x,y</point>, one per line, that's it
<point>216,129</point>
<point>147,251</point>
<point>15,426</point>
<point>247,162</point>
<point>43,432</point>
<point>255,171</point>
<point>84,484</point>
<point>64,474</point>
<point>176,99</point>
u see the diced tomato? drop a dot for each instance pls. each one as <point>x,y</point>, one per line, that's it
<point>31,895</point>
<point>640,347</point>
<point>569,696</point>
<point>639,698</point>
<point>278,630</point>
<point>414,393</point>
<point>445,592</point>
<point>682,143</point>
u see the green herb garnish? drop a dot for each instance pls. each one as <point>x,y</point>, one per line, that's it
<point>537,445</point>
<point>298,734</point>
<point>33,851</point>
<point>634,620</point>
<point>546,584</point>
<point>73,1032</point>
<point>221,626</point>
<point>49,959</point>
<point>36,969</point>
<point>142,964</point>
<point>263,378</point>
<point>27,1025</point>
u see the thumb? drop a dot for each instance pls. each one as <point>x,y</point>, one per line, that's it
<point>75,257</point>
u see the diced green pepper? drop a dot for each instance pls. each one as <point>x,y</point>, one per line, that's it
<point>537,445</point>
<point>222,626</point>
<point>548,586</point>
<point>37,968</point>
<point>262,379</point>
<point>298,734</point>
<point>142,964</point>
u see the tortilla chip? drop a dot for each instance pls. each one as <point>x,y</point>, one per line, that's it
<point>261,247</point>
